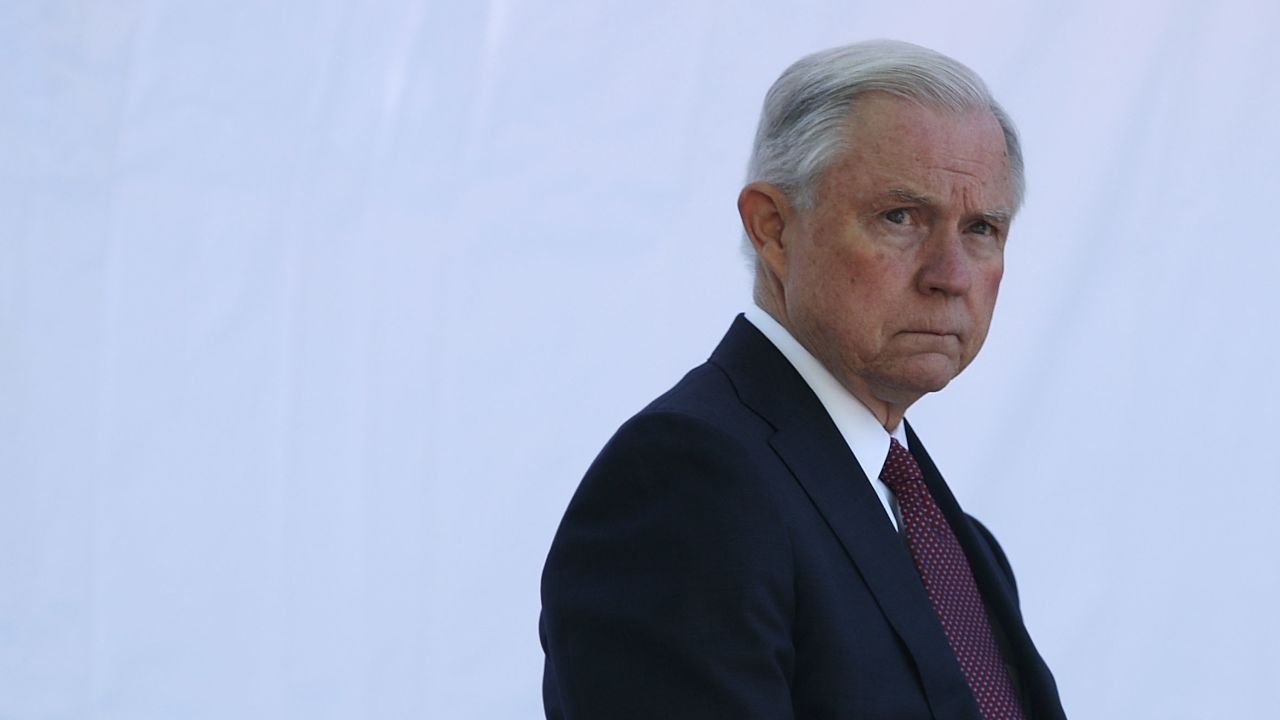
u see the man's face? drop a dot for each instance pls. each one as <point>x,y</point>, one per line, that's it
<point>891,279</point>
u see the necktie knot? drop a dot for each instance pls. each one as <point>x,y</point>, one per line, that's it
<point>899,467</point>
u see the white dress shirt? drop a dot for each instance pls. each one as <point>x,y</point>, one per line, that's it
<point>861,430</point>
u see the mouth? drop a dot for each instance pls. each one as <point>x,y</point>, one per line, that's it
<point>931,333</point>
<point>931,340</point>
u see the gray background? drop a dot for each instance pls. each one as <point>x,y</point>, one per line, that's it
<point>313,313</point>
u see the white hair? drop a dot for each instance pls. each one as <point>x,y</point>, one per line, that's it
<point>803,125</point>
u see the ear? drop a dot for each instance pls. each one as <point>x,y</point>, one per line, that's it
<point>765,214</point>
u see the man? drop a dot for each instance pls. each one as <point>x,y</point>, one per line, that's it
<point>769,539</point>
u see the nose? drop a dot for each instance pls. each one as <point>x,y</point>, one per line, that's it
<point>946,266</point>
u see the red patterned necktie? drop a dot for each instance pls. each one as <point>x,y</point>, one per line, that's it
<point>949,583</point>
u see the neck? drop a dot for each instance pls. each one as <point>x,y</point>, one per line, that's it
<point>889,412</point>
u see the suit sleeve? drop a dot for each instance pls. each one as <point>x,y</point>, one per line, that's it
<point>668,589</point>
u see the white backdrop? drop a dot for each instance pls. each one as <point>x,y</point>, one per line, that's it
<point>313,313</point>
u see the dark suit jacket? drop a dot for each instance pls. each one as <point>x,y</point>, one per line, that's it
<point>726,557</point>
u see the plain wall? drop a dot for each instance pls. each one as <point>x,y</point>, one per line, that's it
<point>312,314</point>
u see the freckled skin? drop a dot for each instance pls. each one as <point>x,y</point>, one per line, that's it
<point>891,279</point>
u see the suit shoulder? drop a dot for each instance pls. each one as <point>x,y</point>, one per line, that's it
<point>704,394</point>
<point>672,570</point>
<point>688,465</point>
<point>681,446</point>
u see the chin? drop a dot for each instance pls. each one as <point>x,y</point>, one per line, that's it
<point>925,377</point>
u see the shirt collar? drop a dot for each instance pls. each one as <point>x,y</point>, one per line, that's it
<point>861,430</point>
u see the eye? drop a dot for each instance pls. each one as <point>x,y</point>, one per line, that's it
<point>982,227</point>
<point>898,216</point>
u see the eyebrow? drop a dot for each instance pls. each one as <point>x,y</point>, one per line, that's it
<point>913,198</point>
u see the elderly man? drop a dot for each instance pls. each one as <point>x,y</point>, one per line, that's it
<point>769,539</point>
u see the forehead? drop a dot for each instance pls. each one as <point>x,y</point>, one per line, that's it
<point>892,143</point>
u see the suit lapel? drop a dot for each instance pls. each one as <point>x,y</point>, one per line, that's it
<point>809,444</point>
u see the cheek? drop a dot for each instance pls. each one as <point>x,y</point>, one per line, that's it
<point>824,277</point>
<point>995,275</point>
<point>988,286</point>
<point>982,299</point>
